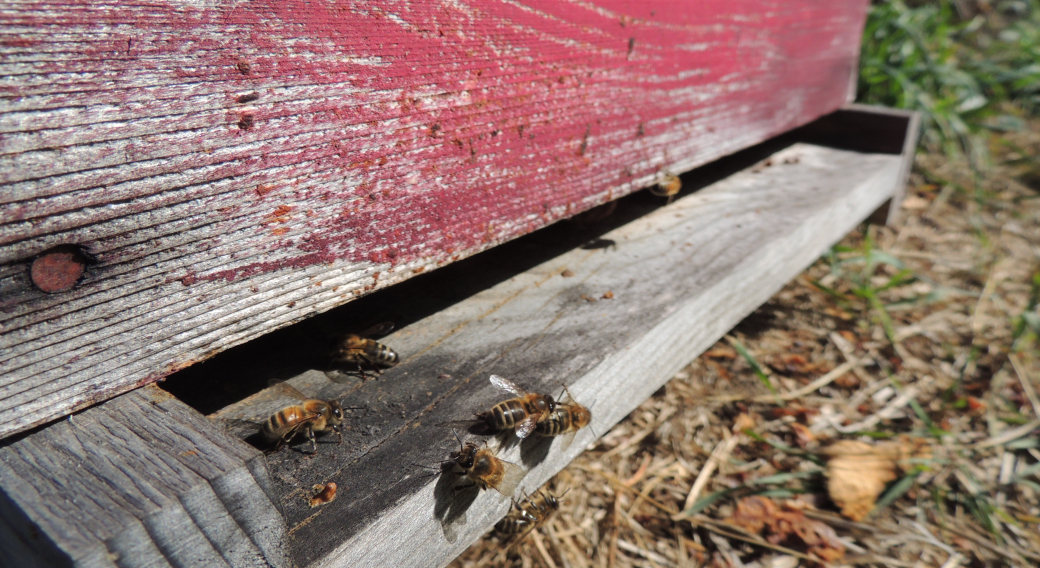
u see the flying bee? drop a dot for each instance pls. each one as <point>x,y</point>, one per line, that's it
<point>356,350</point>
<point>565,421</point>
<point>484,469</point>
<point>668,186</point>
<point>522,413</point>
<point>311,416</point>
<point>529,514</point>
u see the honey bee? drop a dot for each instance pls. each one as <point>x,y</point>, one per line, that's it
<point>484,469</point>
<point>367,355</point>
<point>311,416</point>
<point>668,186</point>
<point>529,514</point>
<point>522,413</point>
<point>565,421</point>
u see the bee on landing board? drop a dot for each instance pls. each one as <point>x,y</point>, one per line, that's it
<point>484,469</point>
<point>361,354</point>
<point>311,416</point>
<point>522,413</point>
<point>668,186</point>
<point>529,514</point>
<point>565,421</point>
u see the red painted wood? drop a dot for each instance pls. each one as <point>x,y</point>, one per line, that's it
<point>222,159</point>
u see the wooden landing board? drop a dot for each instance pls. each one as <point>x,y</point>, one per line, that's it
<point>142,481</point>
<point>680,276</point>
<point>233,167</point>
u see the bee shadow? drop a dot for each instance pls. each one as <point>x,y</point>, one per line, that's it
<point>534,450</point>
<point>450,503</point>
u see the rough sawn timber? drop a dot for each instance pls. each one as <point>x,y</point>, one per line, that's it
<point>142,481</point>
<point>234,167</point>
<point>680,277</point>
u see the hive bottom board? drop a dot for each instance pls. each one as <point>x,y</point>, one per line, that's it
<point>612,309</point>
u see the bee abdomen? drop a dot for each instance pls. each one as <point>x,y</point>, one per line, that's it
<point>505,415</point>
<point>512,525</point>
<point>381,354</point>
<point>280,422</point>
<point>554,426</point>
<point>387,356</point>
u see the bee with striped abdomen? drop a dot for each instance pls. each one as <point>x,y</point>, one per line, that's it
<point>311,416</point>
<point>363,354</point>
<point>522,413</point>
<point>565,421</point>
<point>669,186</point>
<point>529,514</point>
<point>482,467</point>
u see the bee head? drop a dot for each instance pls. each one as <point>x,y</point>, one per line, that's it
<point>351,342</point>
<point>335,412</point>
<point>466,456</point>
<point>580,415</point>
<point>546,403</point>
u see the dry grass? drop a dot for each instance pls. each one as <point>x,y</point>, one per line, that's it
<point>932,327</point>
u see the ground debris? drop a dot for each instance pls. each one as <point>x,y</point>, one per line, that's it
<point>897,376</point>
<point>787,525</point>
<point>857,472</point>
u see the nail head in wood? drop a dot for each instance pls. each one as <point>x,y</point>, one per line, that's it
<point>58,269</point>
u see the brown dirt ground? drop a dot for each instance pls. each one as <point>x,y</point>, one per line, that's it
<point>939,386</point>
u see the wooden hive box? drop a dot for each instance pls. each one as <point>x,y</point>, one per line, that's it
<point>222,171</point>
<point>225,168</point>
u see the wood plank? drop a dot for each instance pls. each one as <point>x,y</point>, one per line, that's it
<point>681,276</point>
<point>141,481</point>
<point>237,167</point>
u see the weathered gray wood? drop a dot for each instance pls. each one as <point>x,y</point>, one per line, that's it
<point>680,277</point>
<point>142,481</point>
<point>383,139</point>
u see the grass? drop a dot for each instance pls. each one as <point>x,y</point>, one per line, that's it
<point>967,70</point>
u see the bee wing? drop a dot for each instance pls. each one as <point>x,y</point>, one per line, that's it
<point>286,389</point>
<point>526,426</point>
<point>378,329</point>
<point>511,476</point>
<point>507,385</point>
<point>566,439</point>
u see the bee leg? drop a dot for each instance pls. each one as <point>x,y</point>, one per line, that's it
<point>310,436</point>
<point>339,432</point>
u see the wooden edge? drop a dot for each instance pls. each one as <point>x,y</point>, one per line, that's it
<point>405,534</point>
<point>621,382</point>
<point>142,480</point>
<point>389,498</point>
<point>913,134</point>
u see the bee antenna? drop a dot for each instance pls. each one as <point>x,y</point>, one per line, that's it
<point>461,446</point>
<point>560,496</point>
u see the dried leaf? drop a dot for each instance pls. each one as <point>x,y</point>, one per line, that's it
<point>802,434</point>
<point>743,422</point>
<point>788,526</point>
<point>856,475</point>
<point>857,472</point>
<point>721,352</point>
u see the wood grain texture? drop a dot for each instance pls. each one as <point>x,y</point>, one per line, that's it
<point>681,277</point>
<point>234,167</point>
<point>141,481</point>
